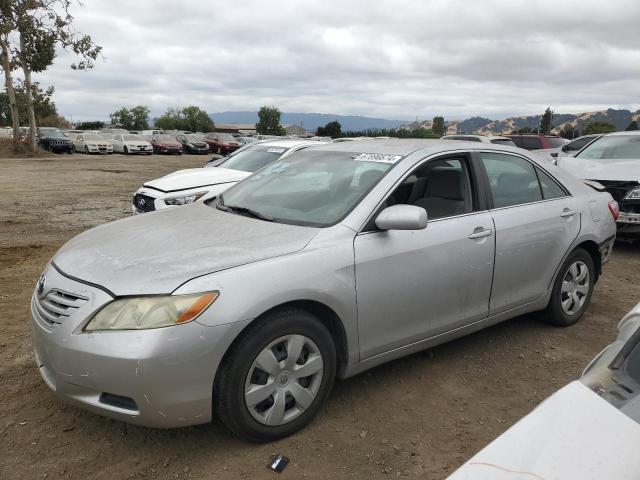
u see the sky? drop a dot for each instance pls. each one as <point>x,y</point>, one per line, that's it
<point>392,59</point>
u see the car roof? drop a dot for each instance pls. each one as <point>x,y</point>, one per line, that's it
<point>289,143</point>
<point>616,134</point>
<point>474,135</point>
<point>405,147</point>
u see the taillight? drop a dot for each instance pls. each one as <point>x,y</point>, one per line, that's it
<point>614,209</point>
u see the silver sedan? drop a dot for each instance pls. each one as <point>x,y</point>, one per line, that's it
<point>321,265</point>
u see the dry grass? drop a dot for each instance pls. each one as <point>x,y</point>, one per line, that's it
<point>6,150</point>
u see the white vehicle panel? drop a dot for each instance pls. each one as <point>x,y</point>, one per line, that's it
<point>574,434</point>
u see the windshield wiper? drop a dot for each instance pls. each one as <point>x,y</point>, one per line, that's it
<point>244,211</point>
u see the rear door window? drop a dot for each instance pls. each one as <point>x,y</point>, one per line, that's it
<point>550,188</point>
<point>513,180</point>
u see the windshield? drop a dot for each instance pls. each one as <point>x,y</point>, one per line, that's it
<point>132,137</point>
<point>226,137</point>
<point>194,138</point>
<point>52,133</point>
<point>93,137</point>
<point>613,147</point>
<point>164,138</point>
<point>253,159</point>
<point>309,188</point>
<point>503,141</point>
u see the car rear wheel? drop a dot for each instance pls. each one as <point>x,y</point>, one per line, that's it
<point>572,290</point>
<point>276,376</point>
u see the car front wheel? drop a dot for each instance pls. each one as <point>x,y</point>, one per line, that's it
<point>572,290</point>
<point>276,376</point>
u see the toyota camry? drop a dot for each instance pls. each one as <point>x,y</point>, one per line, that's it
<point>319,266</point>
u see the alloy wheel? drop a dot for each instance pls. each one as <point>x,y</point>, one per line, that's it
<point>575,288</point>
<point>283,380</point>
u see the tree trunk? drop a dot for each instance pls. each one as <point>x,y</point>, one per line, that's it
<point>29,96</point>
<point>13,106</point>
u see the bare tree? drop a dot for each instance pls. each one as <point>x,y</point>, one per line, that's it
<point>38,27</point>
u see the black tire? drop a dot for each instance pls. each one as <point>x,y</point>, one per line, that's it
<point>554,314</point>
<point>86,150</point>
<point>126,150</point>
<point>229,388</point>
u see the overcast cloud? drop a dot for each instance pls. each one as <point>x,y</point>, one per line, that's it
<point>392,59</point>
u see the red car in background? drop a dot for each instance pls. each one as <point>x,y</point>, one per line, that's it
<point>536,142</point>
<point>165,144</point>
<point>221,143</point>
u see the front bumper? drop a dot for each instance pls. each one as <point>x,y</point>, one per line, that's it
<point>100,149</point>
<point>157,378</point>
<point>628,223</point>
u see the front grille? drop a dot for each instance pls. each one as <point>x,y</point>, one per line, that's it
<point>144,203</point>
<point>56,306</point>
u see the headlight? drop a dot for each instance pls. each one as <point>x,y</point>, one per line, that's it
<point>633,194</point>
<point>139,313</point>
<point>184,199</point>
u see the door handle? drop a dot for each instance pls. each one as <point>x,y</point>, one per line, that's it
<point>567,213</point>
<point>480,232</point>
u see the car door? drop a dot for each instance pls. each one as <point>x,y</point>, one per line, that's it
<point>536,221</point>
<point>412,285</point>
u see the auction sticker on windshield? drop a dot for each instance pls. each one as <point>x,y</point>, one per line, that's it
<point>377,157</point>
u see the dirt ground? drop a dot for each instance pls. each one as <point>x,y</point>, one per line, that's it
<point>419,417</point>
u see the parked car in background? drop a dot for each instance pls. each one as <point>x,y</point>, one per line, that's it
<point>496,139</point>
<point>613,160</point>
<point>130,144</point>
<point>193,144</point>
<point>163,143</point>
<point>574,146</point>
<point>589,428</point>
<point>150,132</point>
<point>221,143</point>
<point>193,184</point>
<point>92,143</point>
<point>245,306</point>
<point>53,140</point>
<point>114,131</point>
<point>245,140</point>
<point>536,142</point>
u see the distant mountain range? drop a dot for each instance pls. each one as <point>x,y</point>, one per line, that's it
<point>485,126</point>
<point>477,125</point>
<point>311,121</point>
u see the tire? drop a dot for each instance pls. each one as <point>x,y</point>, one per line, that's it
<point>73,149</point>
<point>86,150</point>
<point>238,374</point>
<point>126,150</point>
<point>219,150</point>
<point>572,290</point>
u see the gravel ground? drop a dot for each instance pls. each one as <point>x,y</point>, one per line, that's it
<point>419,417</point>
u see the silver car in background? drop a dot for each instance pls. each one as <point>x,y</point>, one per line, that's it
<point>323,264</point>
<point>613,161</point>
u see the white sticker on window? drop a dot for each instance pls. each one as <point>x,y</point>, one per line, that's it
<point>377,157</point>
<point>276,150</point>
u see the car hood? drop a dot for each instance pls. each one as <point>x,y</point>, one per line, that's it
<point>196,177</point>
<point>157,252</point>
<point>616,170</point>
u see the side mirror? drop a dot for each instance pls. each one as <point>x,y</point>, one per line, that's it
<point>402,217</point>
<point>565,148</point>
<point>554,154</point>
